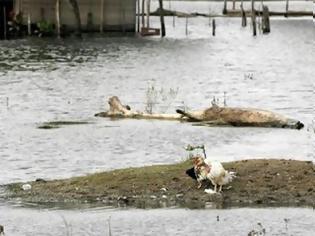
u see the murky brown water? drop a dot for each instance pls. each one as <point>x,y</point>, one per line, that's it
<point>45,80</point>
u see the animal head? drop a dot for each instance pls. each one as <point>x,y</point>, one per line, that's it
<point>197,160</point>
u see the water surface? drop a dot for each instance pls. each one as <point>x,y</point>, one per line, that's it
<point>47,80</point>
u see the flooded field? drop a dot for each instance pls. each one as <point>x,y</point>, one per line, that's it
<point>46,80</point>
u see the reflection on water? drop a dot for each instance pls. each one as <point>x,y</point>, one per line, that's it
<point>278,221</point>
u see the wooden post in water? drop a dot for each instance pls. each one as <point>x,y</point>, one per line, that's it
<point>76,11</point>
<point>254,23</point>
<point>224,7</point>
<point>148,13</point>
<point>286,8</point>
<point>142,17</point>
<point>138,18</point>
<point>163,33</point>
<point>213,27</point>
<point>244,19</point>
<point>102,17</point>
<point>57,19</point>
<point>265,20</point>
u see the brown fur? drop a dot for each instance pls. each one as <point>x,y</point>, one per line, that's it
<point>201,169</point>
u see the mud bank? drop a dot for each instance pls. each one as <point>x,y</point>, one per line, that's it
<point>258,183</point>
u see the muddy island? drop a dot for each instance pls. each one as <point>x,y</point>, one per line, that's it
<point>259,182</point>
<point>213,116</point>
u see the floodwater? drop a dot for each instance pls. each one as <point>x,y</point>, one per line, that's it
<point>47,80</point>
<point>277,221</point>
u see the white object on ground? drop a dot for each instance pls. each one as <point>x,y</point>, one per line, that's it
<point>26,187</point>
<point>210,191</point>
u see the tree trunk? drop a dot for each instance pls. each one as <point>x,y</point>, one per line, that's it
<point>76,11</point>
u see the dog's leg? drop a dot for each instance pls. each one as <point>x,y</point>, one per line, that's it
<point>215,187</point>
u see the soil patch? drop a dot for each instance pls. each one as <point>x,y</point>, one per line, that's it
<point>259,182</point>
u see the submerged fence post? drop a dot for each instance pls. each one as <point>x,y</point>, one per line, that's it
<point>265,20</point>
<point>213,27</point>
<point>163,33</point>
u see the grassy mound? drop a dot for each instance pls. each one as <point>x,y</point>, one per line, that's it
<point>258,182</point>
